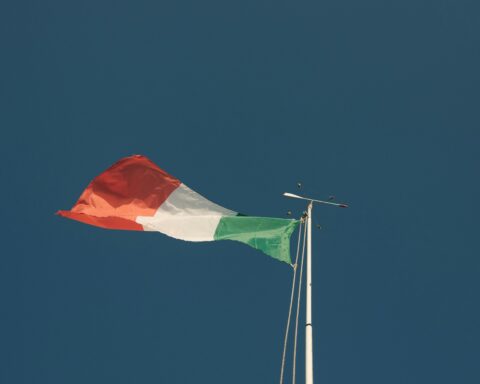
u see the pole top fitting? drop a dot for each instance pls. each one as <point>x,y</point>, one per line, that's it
<point>311,201</point>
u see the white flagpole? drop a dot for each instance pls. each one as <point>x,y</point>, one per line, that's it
<point>308,318</point>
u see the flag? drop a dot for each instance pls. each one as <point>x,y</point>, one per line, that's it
<point>135,194</point>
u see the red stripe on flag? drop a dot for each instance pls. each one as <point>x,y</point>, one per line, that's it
<point>104,222</point>
<point>133,186</point>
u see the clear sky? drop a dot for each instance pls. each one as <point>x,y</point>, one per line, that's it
<point>376,102</point>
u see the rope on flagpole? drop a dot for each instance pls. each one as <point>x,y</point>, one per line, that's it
<point>302,224</point>
<point>298,308</point>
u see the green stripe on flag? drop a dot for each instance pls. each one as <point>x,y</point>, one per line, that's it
<point>269,235</point>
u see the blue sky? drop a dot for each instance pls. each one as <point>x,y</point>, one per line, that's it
<point>375,102</point>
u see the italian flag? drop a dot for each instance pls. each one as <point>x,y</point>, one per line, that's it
<point>135,194</point>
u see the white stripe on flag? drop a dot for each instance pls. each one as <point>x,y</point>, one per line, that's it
<point>186,215</point>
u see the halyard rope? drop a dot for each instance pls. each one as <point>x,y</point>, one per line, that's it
<point>282,370</point>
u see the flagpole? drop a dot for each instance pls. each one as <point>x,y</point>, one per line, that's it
<point>308,317</point>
